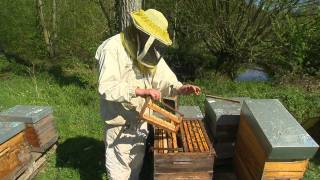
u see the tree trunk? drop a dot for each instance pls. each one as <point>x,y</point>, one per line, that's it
<point>54,27</point>
<point>46,33</point>
<point>175,21</point>
<point>107,16</point>
<point>127,6</point>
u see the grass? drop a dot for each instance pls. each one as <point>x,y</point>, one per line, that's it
<point>80,154</point>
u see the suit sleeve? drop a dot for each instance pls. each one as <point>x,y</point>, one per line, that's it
<point>168,82</point>
<point>111,86</point>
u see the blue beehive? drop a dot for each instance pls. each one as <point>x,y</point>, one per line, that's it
<point>10,129</point>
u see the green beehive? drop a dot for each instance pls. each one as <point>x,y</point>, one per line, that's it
<point>277,130</point>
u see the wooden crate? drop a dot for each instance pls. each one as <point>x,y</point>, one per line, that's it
<point>42,134</point>
<point>222,119</point>
<point>251,160</point>
<point>37,163</point>
<point>185,155</point>
<point>14,157</point>
<point>263,150</point>
<point>40,130</point>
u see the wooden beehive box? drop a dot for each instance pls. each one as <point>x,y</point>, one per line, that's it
<point>187,154</point>
<point>40,128</point>
<point>222,119</point>
<point>270,143</point>
<point>14,150</point>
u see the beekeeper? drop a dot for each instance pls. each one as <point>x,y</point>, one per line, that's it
<point>131,69</point>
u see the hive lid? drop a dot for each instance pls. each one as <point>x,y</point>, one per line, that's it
<point>191,112</point>
<point>277,130</point>
<point>218,110</point>
<point>25,113</point>
<point>9,129</point>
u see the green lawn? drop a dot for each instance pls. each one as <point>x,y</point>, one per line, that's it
<point>80,154</point>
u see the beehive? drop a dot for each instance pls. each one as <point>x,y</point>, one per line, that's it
<point>186,154</point>
<point>270,143</point>
<point>14,150</point>
<point>222,119</point>
<point>40,128</point>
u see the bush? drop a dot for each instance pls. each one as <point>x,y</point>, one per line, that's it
<point>294,46</point>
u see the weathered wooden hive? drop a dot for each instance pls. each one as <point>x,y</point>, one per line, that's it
<point>222,119</point>
<point>270,143</point>
<point>187,154</point>
<point>40,129</point>
<point>15,153</point>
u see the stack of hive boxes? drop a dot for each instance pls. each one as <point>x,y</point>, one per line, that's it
<point>40,129</point>
<point>222,119</point>
<point>186,155</point>
<point>14,150</point>
<point>270,143</point>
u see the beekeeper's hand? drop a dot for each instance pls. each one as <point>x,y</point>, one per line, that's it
<point>154,94</point>
<point>189,89</point>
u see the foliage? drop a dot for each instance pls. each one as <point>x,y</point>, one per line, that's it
<point>211,35</point>
<point>232,30</point>
<point>19,31</point>
<point>81,28</point>
<point>293,46</point>
<point>231,34</point>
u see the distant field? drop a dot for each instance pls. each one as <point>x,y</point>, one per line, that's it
<point>80,154</point>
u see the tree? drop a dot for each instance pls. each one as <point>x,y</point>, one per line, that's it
<point>110,15</point>
<point>233,30</point>
<point>124,9</point>
<point>49,38</point>
<point>120,19</point>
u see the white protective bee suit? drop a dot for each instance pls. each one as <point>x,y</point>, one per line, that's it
<point>125,133</point>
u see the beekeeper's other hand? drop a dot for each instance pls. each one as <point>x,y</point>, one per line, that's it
<point>153,93</point>
<point>189,89</point>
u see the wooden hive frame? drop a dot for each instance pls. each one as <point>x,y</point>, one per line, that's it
<point>191,136</point>
<point>173,123</point>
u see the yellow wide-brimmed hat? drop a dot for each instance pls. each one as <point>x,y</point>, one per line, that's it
<point>153,23</point>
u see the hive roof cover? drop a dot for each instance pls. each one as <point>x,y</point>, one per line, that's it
<point>191,112</point>
<point>25,113</point>
<point>278,131</point>
<point>217,109</point>
<point>10,129</point>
